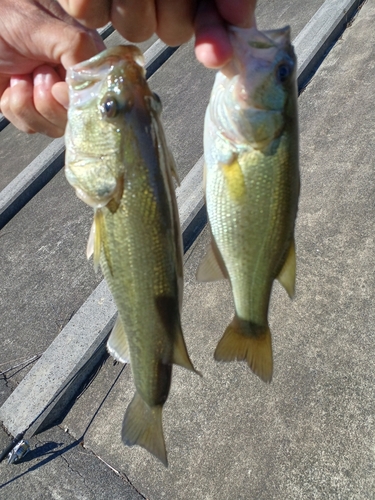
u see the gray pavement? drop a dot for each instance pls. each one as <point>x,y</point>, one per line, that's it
<point>59,467</point>
<point>309,434</point>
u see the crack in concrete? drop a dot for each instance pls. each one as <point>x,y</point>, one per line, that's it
<point>120,474</point>
<point>78,473</point>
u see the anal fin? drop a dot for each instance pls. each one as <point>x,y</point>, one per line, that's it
<point>287,275</point>
<point>180,354</point>
<point>212,267</point>
<point>117,344</point>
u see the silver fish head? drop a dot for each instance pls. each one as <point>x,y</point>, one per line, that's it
<point>266,66</point>
<point>257,94</point>
<point>109,102</point>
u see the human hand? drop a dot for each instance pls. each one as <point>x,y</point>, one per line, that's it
<point>174,21</point>
<point>38,42</point>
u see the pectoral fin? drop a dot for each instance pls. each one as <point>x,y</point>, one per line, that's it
<point>287,275</point>
<point>172,166</point>
<point>94,242</point>
<point>117,344</point>
<point>234,178</point>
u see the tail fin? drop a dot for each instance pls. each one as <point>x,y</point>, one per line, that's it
<point>245,341</point>
<point>142,426</point>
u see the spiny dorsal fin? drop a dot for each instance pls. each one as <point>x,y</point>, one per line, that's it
<point>117,344</point>
<point>143,427</point>
<point>212,267</point>
<point>287,275</point>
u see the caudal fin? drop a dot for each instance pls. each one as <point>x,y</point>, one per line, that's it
<point>245,341</point>
<point>142,426</point>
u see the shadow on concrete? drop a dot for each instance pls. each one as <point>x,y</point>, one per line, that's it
<point>40,451</point>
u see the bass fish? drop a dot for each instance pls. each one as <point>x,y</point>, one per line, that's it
<point>118,162</point>
<point>252,187</point>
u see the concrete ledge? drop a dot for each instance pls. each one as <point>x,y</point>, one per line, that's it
<point>68,355</point>
<point>3,122</point>
<point>320,34</point>
<point>31,180</point>
<point>70,352</point>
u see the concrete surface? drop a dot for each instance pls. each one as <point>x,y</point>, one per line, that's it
<point>310,433</point>
<point>322,31</point>
<point>45,274</point>
<point>17,150</point>
<point>272,14</point>
<point>59,467</point>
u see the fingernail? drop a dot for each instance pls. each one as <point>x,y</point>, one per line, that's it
<point>15,80</point>
<point>42,79</point>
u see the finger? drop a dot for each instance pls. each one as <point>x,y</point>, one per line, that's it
<point>60,93</point>
<point>45,103</point>
<point>62,40</point>
<point>73,46</point>
<point>91,13</point>
<point>4,84</point>
<point>18,106</point>
<point>237,12</point>
<point>134,19</point>
<point>175,20</point>
<point>212,45</point>
<point>14,101</point>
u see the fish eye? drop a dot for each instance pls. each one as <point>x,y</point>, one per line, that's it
<point>283,71</point>
<point>109,107</point>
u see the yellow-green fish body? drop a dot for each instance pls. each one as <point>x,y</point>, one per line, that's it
<point>118,162</point>
<point>252,187</point>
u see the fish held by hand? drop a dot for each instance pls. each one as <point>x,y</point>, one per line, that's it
<point>118,162</point>
<point>252,187</point>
